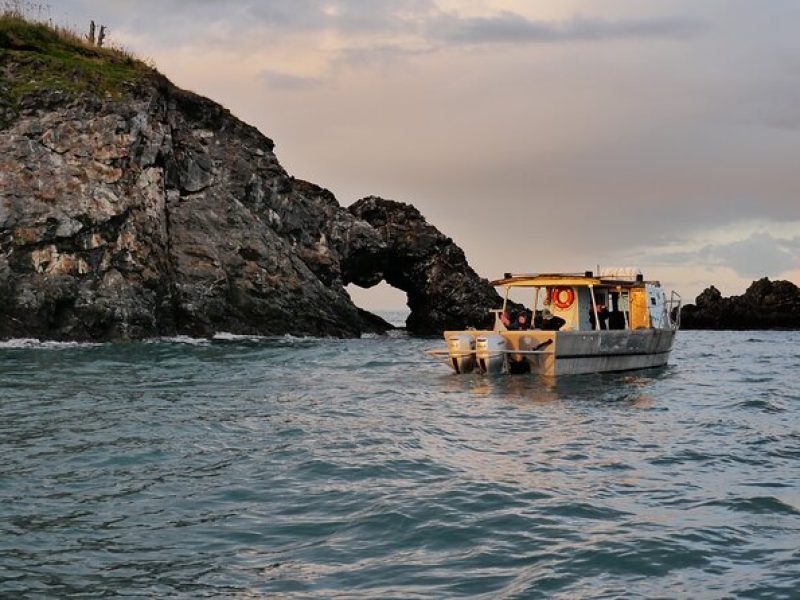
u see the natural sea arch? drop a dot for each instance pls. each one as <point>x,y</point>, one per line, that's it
<point>442,291</point>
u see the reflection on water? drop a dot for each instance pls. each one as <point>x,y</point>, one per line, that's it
<point>288,467</point>
<point>605,387</point>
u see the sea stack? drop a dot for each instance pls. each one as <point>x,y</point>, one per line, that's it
<point>764,305</point>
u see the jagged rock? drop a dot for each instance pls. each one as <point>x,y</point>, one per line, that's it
<point>443,290</point>
<point>764,305</point>
<point>156,212</point>
<point>709,298</point>
<point>157,215</point>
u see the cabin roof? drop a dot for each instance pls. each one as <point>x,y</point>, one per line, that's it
<point>561,279</point>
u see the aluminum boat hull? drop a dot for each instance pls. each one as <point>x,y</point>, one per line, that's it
<point>576,352</point>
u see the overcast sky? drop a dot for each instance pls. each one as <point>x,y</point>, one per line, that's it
<point>541,136</point>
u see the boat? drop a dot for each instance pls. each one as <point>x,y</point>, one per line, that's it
<point>614,320</point>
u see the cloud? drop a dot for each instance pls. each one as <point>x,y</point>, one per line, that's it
<point>778,101</point>
<point>381,56</point>
<point>508,27</point>
<point>347,16</point>
<point>758,255</point>
<point>285,81</point>
<point>420,20</point>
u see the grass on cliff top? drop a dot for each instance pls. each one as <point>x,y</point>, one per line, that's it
<point>37,57</point>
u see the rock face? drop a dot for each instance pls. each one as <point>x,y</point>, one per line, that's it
<point>443,290</point>
<point>159,213</point>
<point>765,305</point>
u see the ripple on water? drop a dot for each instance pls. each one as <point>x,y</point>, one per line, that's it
<point>757,505</point>
<point>301,467</point>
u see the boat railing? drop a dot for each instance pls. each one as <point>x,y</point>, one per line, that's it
<point>673,306</point>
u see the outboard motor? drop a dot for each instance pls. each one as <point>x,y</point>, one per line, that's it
<point>461,350</point>
<point>490,353</point>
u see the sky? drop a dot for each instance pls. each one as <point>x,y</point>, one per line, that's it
<point>555,135</point>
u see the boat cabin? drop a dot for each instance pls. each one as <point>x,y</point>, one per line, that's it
<point>615,299</point>
<point>570,323</point>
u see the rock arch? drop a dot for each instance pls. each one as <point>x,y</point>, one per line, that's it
<point>443,291</point>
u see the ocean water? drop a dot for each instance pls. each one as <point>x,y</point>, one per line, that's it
<point>322,468</point>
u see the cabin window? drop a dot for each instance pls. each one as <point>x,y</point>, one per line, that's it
<point>616,316</point>
<point>600,297</point>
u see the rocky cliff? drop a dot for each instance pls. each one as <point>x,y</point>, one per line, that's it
<point>764,305</point>
<point>130,208</point>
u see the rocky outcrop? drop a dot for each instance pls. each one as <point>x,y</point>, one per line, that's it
<point>156,212</point>
<point>765,305</point>
<point>157,215</point>
<point>443,291</point>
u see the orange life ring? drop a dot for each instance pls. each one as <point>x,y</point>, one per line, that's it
<point>563,297</point>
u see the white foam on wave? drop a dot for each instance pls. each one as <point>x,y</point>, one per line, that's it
<point>28,343</point>
<point>397,333</point>
<point>304,338</point>
<point>226,336</point>
<point>181,339</point>
<point>222,336</point>
<point>391,334</point>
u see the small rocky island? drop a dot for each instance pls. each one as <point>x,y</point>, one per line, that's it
<point>130,208</point>
<point>765,305</point>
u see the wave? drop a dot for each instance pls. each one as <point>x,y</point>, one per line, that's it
<point>179,339</point>
<point>225,336</point>
<point>34,343</point>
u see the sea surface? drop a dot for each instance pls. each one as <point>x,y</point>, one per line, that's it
<point>324,468</point>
